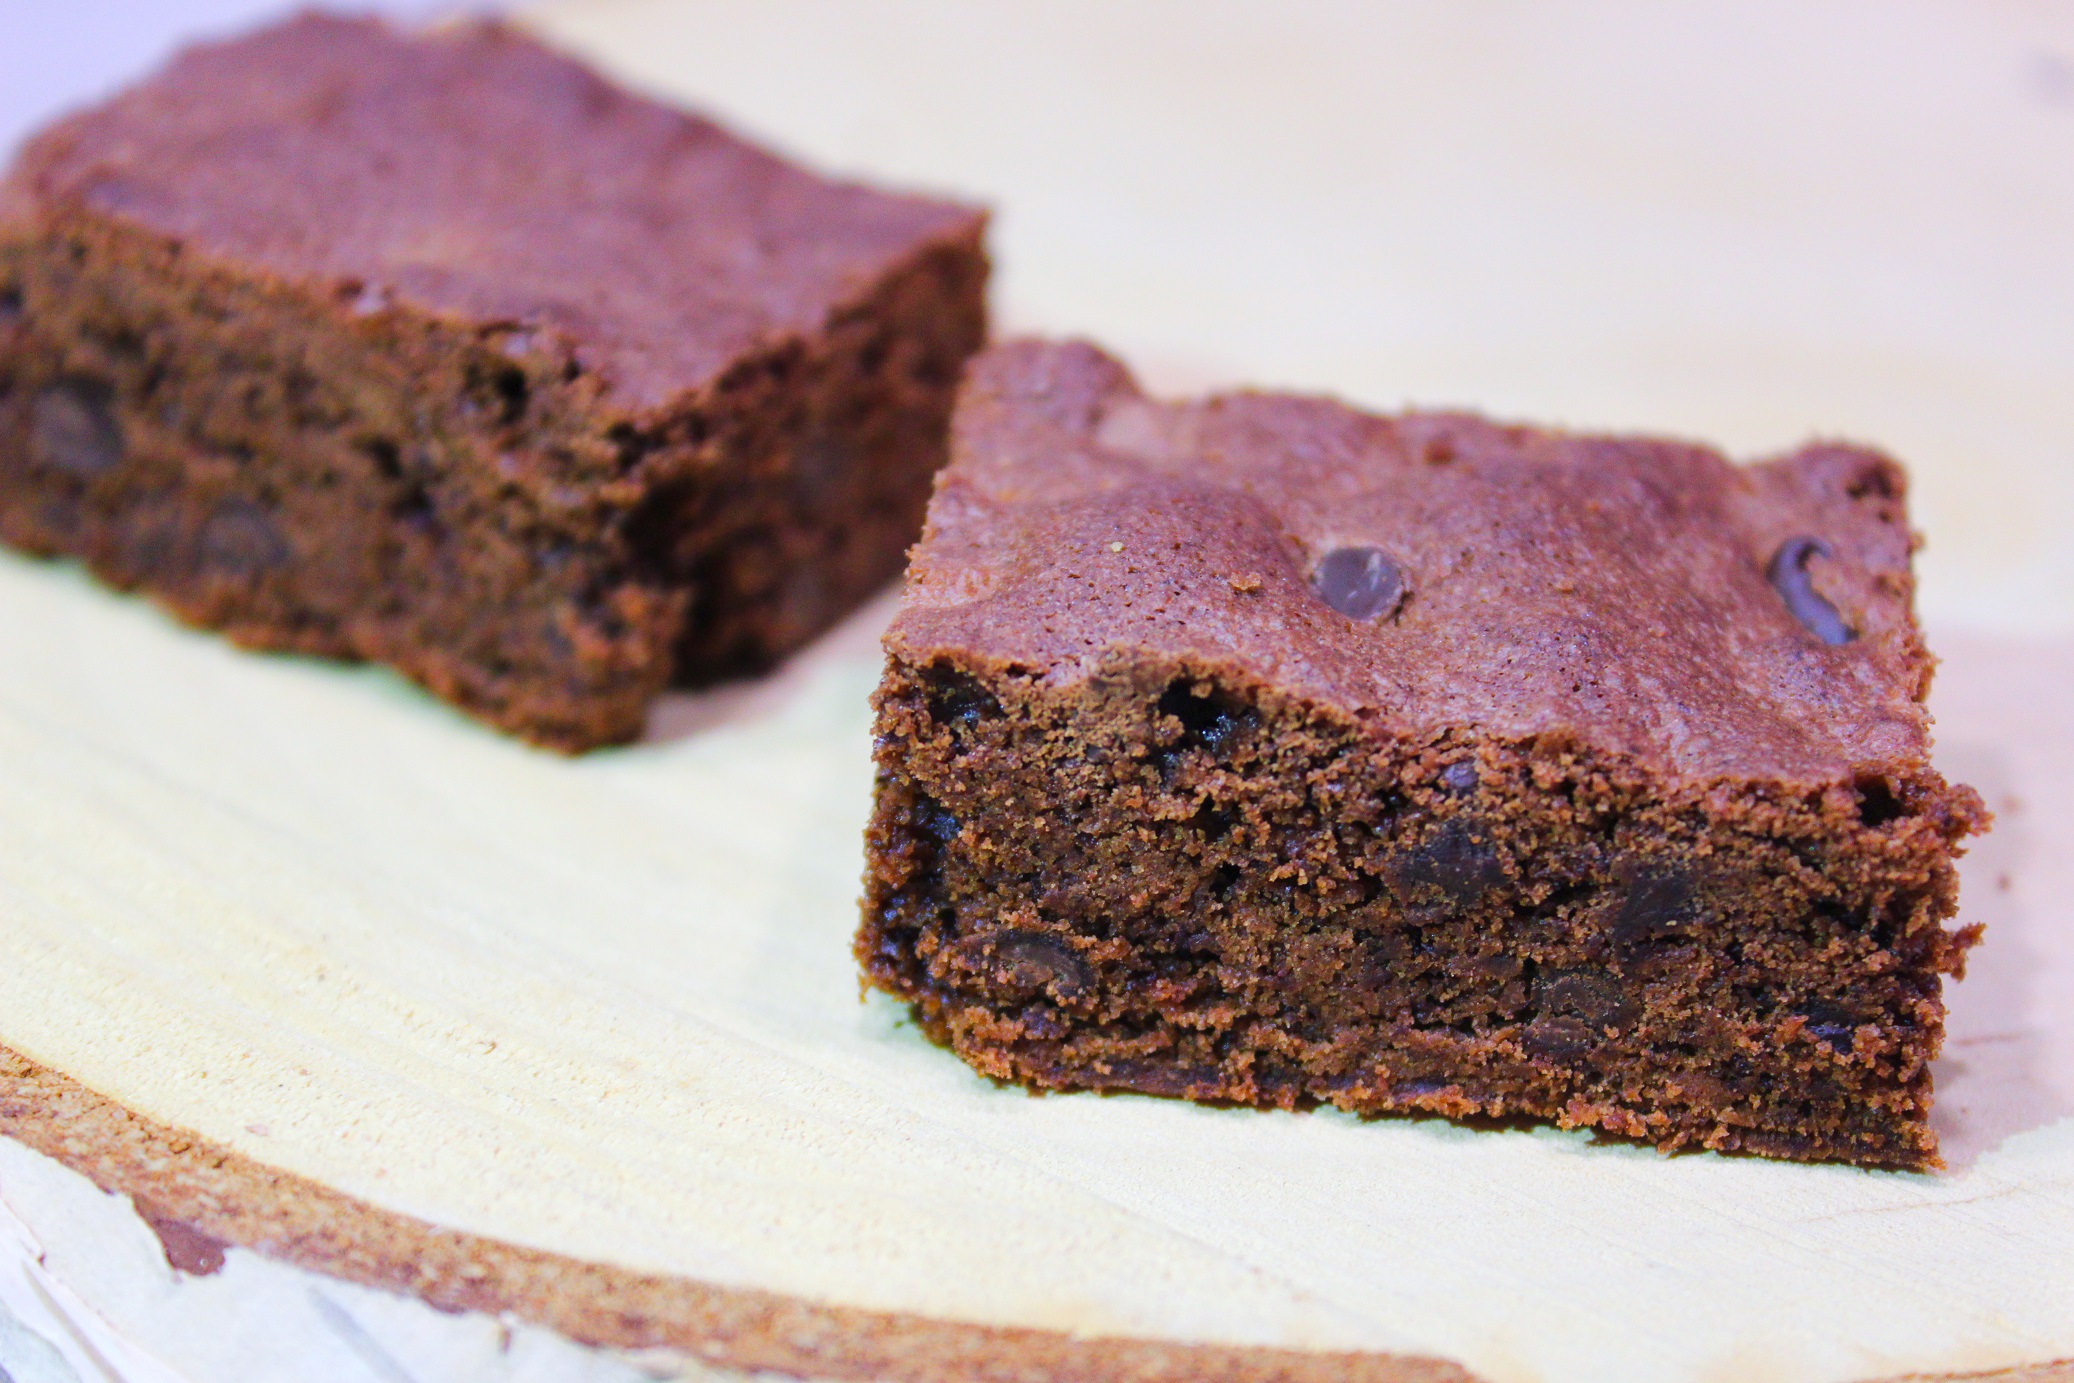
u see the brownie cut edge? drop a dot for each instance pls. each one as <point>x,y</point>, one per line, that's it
<point>440,350</point>
<point>1256,749</point>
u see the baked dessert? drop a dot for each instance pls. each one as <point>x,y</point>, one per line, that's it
<point>440,350</point>
<point>1260,750</point>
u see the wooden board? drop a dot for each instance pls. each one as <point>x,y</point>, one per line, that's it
<point>310,961</point>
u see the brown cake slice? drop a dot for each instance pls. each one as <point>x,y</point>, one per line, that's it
<point>442,351</point>
<point>1261,750</point>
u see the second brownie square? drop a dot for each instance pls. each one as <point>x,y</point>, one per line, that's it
<point>442,351</point>
<point>1257,749</point>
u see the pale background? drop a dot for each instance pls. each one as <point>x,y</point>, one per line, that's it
<point>1748,221</point>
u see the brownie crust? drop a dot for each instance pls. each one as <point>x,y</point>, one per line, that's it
<point>1260,750</point>
<point>440,350</point>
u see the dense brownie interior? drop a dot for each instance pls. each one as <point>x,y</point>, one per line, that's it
<point>1213,763</point>
<point>289,340</point>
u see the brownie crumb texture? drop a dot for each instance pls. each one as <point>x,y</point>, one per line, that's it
<point>1525,774</point>
<point>439,350</point>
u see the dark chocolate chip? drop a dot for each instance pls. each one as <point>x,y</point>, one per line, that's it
<point>820,461</point>
<point>1500,968</point>
<point>1454,864</point>
<point>1155,1077</point>
<point>1459,776</point>
<point>188,1249</point>
<point>1660,905</point>
<point>60,513</point>
<point>1839,1036</point>
<point>1418,1086</point>
<point>240,539</point>
<point>1360,582</point>
<point>1831,1024</point>
<point>1796,586</point>
<point>1386,950</point>
<point>931,820</point>
<point>1210,718</point>
<point>956,698</point>
<point>1659,959</point>
<point>10,306</point>
<point>1026,962</point>
<point>73,428</point>
<point>1595,996</point>
<point>1560,1038</point>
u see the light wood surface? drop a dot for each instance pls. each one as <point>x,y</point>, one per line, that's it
<point>602,1012</point>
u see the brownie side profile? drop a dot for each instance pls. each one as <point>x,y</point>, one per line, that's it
<point>1260,750</point>
<point>440,350</point>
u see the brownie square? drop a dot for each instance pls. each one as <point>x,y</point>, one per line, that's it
<point>442,351</point>
<point>1261,750</point>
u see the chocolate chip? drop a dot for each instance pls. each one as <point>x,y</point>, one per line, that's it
<point>1385,951</point>
<point>1660,906</point>
<point>188,1249</point>
<point>240,539</point>
<point>820,461</point>
<point>1418,1086</point>
<point>1156,1077</point>
<point>1459,776</point>
<point>1025,963</point>
<point>931,820</point>
<point>1840,1036</point>
<point>1499,969</point>
<point>1790,577</point>
<point>1595,996</point>
<point>1360,582</point>
<point>1560,1038</point>
<point>1830,1024</point>
<point>10,306</point>
<point>1454,864</point>
<point>58,512</point>
<point>956,698</point>
<point>72,428</point>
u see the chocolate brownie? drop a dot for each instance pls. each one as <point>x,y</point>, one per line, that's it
<point>1261,750</point>
<point>440,350</point>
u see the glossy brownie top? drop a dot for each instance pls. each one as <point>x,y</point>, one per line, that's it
<point>1432,574</point>
<point>470,173</point>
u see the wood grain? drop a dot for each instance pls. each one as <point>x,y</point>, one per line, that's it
<point>307,1223</point>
